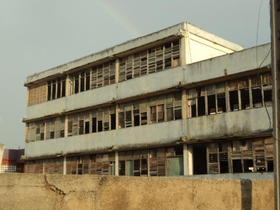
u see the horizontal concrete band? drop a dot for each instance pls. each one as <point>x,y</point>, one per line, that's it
<point>220,126</point>
<point>214,68</point>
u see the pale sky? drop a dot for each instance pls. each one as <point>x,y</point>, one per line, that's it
<point>36,35</point>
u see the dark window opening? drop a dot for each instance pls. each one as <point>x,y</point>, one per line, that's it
<point>237,166</point>
<point>144,167</point>
<point>52,135</point>
<point>267,95</point>
<point>87,127</point>
<point>270,165</point>
<point>63,88</point>
<point>199,159</point>
<point>221,100</point>
<point>100,125</point>
<point>58,89</point>
<point>179,150</point>
<point>122,168</point>
<point>136,117</point>
<point>245,99</point>
<point>136,167</point>
<point>80,168</point>
<point>223,157</point>
<point>87,81</point>
<point>233,100</point>
<point>201,105</point>
<point>42,136</point>
<point>211,104</point>
<point>49,91</point>
<point>113,121</point>
<point>94,125</point>
<point>76,84</point>
<point>257,97</point>
<point>248,165</point>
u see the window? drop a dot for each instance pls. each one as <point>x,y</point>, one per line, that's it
<point>113,121</point>
<point>94,125</point>
<point>150,61</point>
<point>136,117</point>
<point>87,127</point>
<point>160,112</point>
<point>56,88</point>
<point>153,114</point>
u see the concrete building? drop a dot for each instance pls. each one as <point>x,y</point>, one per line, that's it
<point>10,160</point>
<point>180,101</point>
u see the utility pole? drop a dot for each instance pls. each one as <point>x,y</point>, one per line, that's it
<point>275,62</point>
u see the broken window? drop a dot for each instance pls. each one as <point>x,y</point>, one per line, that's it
<point>113,121</point>
<point>87,126</point>
<point>153,114</point>
<point>81,127</point>
<point>136,116</point>
<point>128,119</point>
<point>160,113</point>
<point>256,91</point>
<point>144,118</point>
<point>94,125</point>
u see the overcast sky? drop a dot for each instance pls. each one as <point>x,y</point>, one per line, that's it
<point>36,35</point>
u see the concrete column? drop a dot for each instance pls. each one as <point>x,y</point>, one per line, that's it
<point>185,53</point>
<point>188,159</point>
<point>68,86</point>
<point>184,104</point>
<point>64,166</point>
<point>45,131</point>
<point>117,70</point>
<point>117,116</point>
<point>116,163</point>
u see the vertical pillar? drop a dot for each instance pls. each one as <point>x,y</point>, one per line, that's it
<point>45,130</point>
<point>66,126</point>
<point>68,86</point>
<point>185,52</point>
<point>188,159</point>
<point>275,63</point>
<point>184,104</point>
<point>117,70</point>
<point>116,163</point>
<point>117,116</point>
<point>64,166</point>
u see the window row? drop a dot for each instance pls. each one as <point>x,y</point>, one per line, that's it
<point>56,88</point>
<point>49,129</point>
<point>240,156</point>
<point>149,61</point>
<point>95,77</point>
<point>148,111</point>
<point>155,110</point>
<point>245,93</point>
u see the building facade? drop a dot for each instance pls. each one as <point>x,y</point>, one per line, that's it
<point>180,101</point>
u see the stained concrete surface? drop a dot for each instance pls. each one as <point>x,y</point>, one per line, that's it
<point>31,191</point>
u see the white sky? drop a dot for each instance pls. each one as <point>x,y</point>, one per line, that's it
<point>36,35</point>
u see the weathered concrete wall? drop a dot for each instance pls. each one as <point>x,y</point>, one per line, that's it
<point>29,191</point>
<point>199,128</point>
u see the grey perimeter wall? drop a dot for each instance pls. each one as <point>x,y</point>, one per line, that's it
<point>30,191</point>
